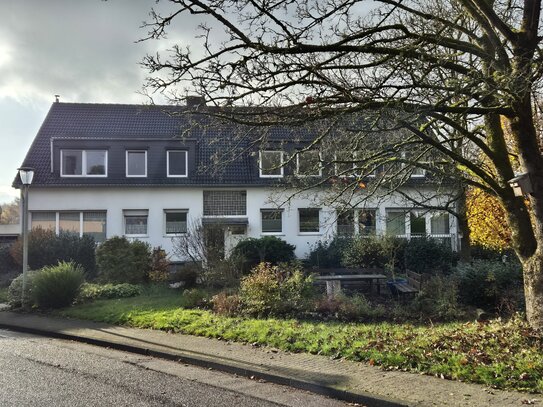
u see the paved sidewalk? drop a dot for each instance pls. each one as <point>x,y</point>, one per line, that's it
<point>351,381</point>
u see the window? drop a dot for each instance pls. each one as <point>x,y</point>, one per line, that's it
<point>366,222</point>
<point>309,220</point>
<point>136,163</point>
<point>176,221</point>
<point>225,203</point>
<point>345,164</point>
<point>44,220</point>
<point>83,163</point>
<point>177,163</point>
<point>92,223</point>
<point>272,220</point>
<point>416,172</point>
<point>345,223</point>
<point>308,164</point>
<point>135,222</point>
<point>418,224</point>
<point>395,223</point>
<point>439,224</point>
<point>271,164</point>
<point>69,222</point>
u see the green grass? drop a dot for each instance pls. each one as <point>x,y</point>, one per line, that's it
<point>505,355</point>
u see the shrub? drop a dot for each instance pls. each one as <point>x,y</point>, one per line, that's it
<point>90,292</point>
<point>226,304</point>
<point>438,300</point>
<point>380,252</point>
<point>268,249</point>
<point>328,254</point>
<point>45,248</point>
<point>275,290</point>
<point>16,287</point>
<point>122,261</point>
<point>223,273</point>
<point>195,298</point>
<point>187,273</point>
<point>57,286</point>
<point>355,308</point>
<point>160,266</point>
<point>486,284</point>
<point>426,255</point>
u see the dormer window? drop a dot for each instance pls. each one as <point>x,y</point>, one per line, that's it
<point>83,163</point>
<point>271,164</point>
<point>136,163</point>
<point>177,163</point>
<point>308,164</point>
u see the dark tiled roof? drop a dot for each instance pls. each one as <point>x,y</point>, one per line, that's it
<point>157,126</point>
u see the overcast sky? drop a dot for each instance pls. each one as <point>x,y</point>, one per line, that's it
<point>83,50</point>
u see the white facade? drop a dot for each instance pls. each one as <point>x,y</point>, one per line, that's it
<point>154,201</point>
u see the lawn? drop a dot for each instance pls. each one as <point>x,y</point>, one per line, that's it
<point>502,354</point>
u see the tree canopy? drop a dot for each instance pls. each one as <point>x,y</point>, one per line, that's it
<point>461,77</point>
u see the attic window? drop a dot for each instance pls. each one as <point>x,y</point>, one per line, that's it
<point>136,163</point>
<point>83,163</point>
<point>271,164</point>
<point>177,163</point>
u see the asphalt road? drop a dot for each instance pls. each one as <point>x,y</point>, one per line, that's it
<point>36,371</point>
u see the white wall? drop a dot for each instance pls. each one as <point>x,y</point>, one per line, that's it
<point>114,200</point>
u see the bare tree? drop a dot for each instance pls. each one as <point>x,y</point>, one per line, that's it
<point>458,75</point>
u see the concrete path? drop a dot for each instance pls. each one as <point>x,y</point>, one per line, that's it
<point>351,381</point>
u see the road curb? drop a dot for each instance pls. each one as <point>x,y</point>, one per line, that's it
<point>364,399</point>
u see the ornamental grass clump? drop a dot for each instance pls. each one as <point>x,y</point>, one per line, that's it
<point>275,290</point>
<point>57,286</point>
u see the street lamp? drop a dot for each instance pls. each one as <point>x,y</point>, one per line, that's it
<point>26,174</point>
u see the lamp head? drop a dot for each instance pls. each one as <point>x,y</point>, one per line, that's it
<point>26,174</point>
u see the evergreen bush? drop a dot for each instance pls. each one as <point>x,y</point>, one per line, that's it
<point>427,255</point>
<point>57,286</point>
<point>269,249</point>
<point>122,261</point>
<point>45,248</point>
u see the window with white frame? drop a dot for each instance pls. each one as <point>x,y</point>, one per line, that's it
<point>309,220</point>
<point>44,220</point>
<point>395,222</point>
<point>308,164</point>
<point>91,223</point>
<point>417,224</point>
<point>366,222</point>
<point>94,225</point>
<point>135,222</point>
<point>416,172</point>
<point>83,163</point>
<point>345,223</point>
<point>439,223</point>
<point>175,221</point>
<point>177,163</point>
<point>356,222</point>
<point>136,163</point>
<point>69,222</point>
<point>272,220</point>
<point>271,164</point>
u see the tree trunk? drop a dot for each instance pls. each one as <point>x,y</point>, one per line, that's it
<point>533,289</point>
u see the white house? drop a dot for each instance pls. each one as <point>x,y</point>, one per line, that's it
<point>145,172</point>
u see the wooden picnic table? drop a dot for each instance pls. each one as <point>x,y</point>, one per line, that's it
<point>333,282</point>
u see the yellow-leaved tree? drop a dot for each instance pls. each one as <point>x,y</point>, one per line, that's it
<point>487,220</point>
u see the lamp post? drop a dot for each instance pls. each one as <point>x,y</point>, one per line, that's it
<point>26,174</point>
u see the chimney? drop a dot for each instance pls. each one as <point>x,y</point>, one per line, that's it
<point>195,101</point>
